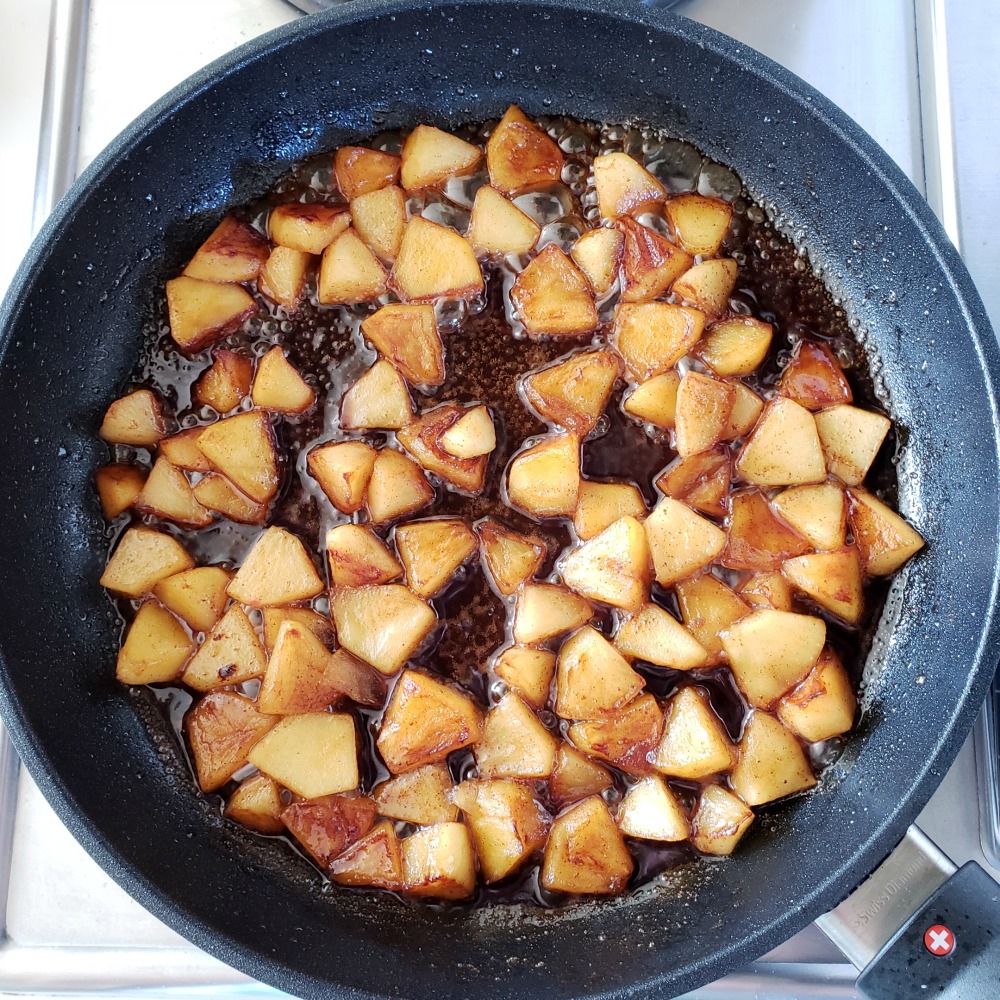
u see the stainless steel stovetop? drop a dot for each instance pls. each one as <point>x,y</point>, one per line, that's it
<point>912,73</point>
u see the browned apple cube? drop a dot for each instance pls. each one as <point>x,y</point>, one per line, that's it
<point>510,558</point>
<point>397,487</point>
<point>708,606</point>
<point>695,743</point>
<point>514,743</point>
<point>408,336</point>
<point>851,438</point>
<point>307,228</point>
<point>117,487</point>
<point>708,285</point>
<point>758,540</point>
<point>430,156</point>
<point>472,435</point>
<point>201,312</point>
<point>349,272</point>
<point>699,224</point>
<point>155,649</point>
<point>834,580</point>
<point>277,570</point>
<point>599,505</point>
<point>520,156</point>
<point>651,811</point>
<point>374,861</point>
<point>813,377</point>
<point>653,336</point>
<point>181,450</point>
<point>818,513</point>
<point>624,186</point>
<point>772,763</point>
<point>198,595</point>
<point>380,218</point>
<point>421,437</point>
<point>625,737</point>
<point>573,393</point>
<point>544,480</point>
<point>823,705</point>
<point>883,538</point>
<point>784,449</point>
<point>499,227</point>
<point>432,552</point>
<point>702,414</point>
<point>242,449</point>
<point>719,822</point>
<point>680,541</point>
<point>735,346</point>
<point>552,297</point>
<point>328,825</point>
<point>257,804</point>
<point>585,852</point>
<point>359,170</point>
<point>319,625</point>
<point>655,400</point>
<point>747,408</point>
<point>167,495</point>
<point>701,481</point>
<point>528,671</point>
<point>343,469</point>
<point>225,383</point>
<point>142,559</point>
<point>282,278</point>
<point>650,262</point>
<point>217,493</point>
<point>438,862</point>
<point>233,252</point>
<point>135,419</point>
<point>379,400</point>
<point>421,796</point>
<point>434,262</point>
<point>230,654</point>
<point>598,253</point>
<point>357,557</point>
<point>768,590</point>
<point>613,567</point>
<point>576,776</point>
<point>279,387</point>
<point>592,677</point>
<point>654,635</point>
<point>544,610</point>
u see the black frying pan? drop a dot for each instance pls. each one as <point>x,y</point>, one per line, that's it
<point>72,327</point>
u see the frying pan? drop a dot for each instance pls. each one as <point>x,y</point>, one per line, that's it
<point>72,326</point>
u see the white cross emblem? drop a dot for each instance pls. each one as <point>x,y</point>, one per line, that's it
<point>940,941</point>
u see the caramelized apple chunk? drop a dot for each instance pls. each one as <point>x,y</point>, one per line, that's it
<point>156,647</point>
<point>520,156</point>
<point>574,393</point>
<point>277,570</point>
<point>349,272</point>
<point>613,567</point>
<point>379,400</point>
<point>408,336</point>
<point>117,487</point>
<point>624,186</point>
<point>434,262</point>
<point>585,852</point>
<point>552,297</point>
<point>343,469</point>
<point>650,262</point>
<point>432,552</point>
<point>360,171</point>
<point>514,743</point>
<point>544,480</point>
<point>545,610</point>
<point>308,228</point>
<point>222,729</point>
<point>135,419</point>
<point>234,251</point>
<point>598,253</point>
<point>225,383</point>
<point>142,559</point>
<point>510,558</point>
<point>242,448</point>
<point>279,387</point>
<point>202,312</point>
<point>699,224</point>
<point>430,156</point>
<point>654,336</point>
<point>499,227</point>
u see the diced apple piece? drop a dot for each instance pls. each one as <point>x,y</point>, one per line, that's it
<point>624,186</point>
<point>222,728</point>
<point>719,822</point>
<point>435,262</point>
<point>421,796</point>
<point>318,624</point>
<point>277,570</point>
<point>708,285</point>
<point>225,383</point>
<point>311,755</point>
<point>117,487</point>
<point>695,743</point>
<point>383,626</point>
<point>279,387</point>
<point>545,610</point>
<point>599,505</point>
<point>758,540</point>
<point>349,272</point>
<point>357,557</point>
<point>747,408</point>
<point>592,677</point>
<point>823,705</point>
<point>233,252</point>
<point>201,312</point>
<point>142,559</point>
<point>379,218</point>
<point>735,346</point>
<point>650,262</point>
<point>770,651</point>
<point>772,763</point>
<point>883,538</point>
<point>624,738</point>
<point>650,811</point>
<point>813,377</point>
<point>379,400</point>
<point>598,253</point>
<point>520,156</point>
<point>680,541</point>
<point>499,227</point>
<point>653,336</point>
<point>198,595</point>
<point>308,228</point>
<point>155,649</point>
<point>181,450</point>
<point>438,862</point>
<point>425,721</point>
<point>397,487</point>
<point>576,776</point>
<point>701,481</point>
<point>230,654</point>
<point>818,513</point>
<point>257,804</point>
<point>585,852</point>
<point>613,567</point>
<point>654,635</point>
<point>768,590</point>
<point>359,170</point>
<point>655,401</point>
<point>430,156</point>
<point>422,438</point>
<point>217,493</point>
<point>784,449</point>
<point>527,671</point>
<point>510,558</point>
<point>328,825</point>
<point>283,277</point>
<point>408,336</point>
<point>241,448</point>
<point>343,470</point>
<point>472,435</point>
<point>135,419</point>
<point>708,606</point>
<point>167,495</point>
<point>544,480</point>
<point>514,742</point>
<point>374,861</point>
<point>851,438</point>
<point>574,392</point>
<point>702,415</point>
<point>832,579</point>
<point>699,223</point>
<point>552,297</point>
<point>432,551</point>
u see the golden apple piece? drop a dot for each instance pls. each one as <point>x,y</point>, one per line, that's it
<point>758,540</point>
<point>307,228</point>
<point>695,743</point>
<point>282,277</point>
<point>883,538</point>
<point>707,607</point>
<point>544,480</point>
<point>349,272</point>
<point>359,170</point>
<point>425,721</point>
<point>198,596</point>
<point>506,821</point>
<point>167,495</point>
<point>701,481</point>
<point>823,705</point>
<point>510,558</point>
<point>432,552</point>
<point>230,654</point>
<point>834,580</point>
<point>155,649</point>
<point>430,156</point>
<point>357,557</point>
<point>276,571</point>
<point>498,227</point>
<point>375,861</point>
<point>382,625</point>
<point>699,224</point>
<point>585,852</point>
<point>651,811</point>
<point>135,419</point>
<point>379,218</point>
<point>747,408</point>
<point>201,312</point>
<point>221,729</point>
<point>242,449</point>
<point>613,567</point>
<point>625,186</point>
<point>653,336</point>
<point>655,400</point>
<point>234,251</point>
<point>421,796</point>
<point>576,776</point>
<point>768,590</point>
<point>514,742</point>
<point>650,262</point>
<point>181,450</point>
<point>545,610</point>
<point>599,505</point>
<point>654,635</point>
<point>435,262</point>
<point>142,559</point>
<point>624,738</point>
<point>117,487</point>
<point>704,405</point>
<point>592,677</point>
<point>257,805</point>
<point>814,378</point>
<point>343,470</point>
<point>771,651</point>
<point>439,862</point>
<point>772,762</point>
<point>784,448</point>
<point>598,253</point>
<point>225,383</point>
<point>818,513</point>
<point>319,625</point>
<point>851,438</point>
<point>520,156</point>
<point>397,487</point>
<point>217,493</point>
<point>527,671</point>
<point>311,755</point>
<point>680,541</point>
<point>408,336</point>
<point>472,435</point>
<point>551,297</point>
<point>379,400</point>
<point>708,285</point>
<point>735,346</point>
<point>422,438</point>
<point>326,826</point>
<point>573,392</point>
<point>279,387</point>
<point>719,822</point>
